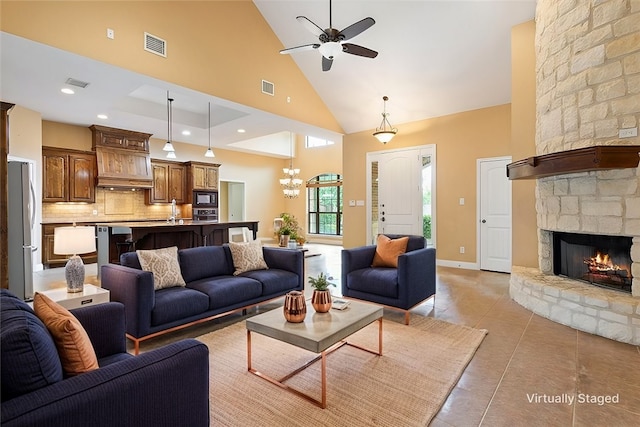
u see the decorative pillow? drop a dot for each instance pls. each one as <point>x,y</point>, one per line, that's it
<point>29,356</point>
<point>388,250</point>
<point>74,347</point>
<point>247,256</point>
<point>163,263</point>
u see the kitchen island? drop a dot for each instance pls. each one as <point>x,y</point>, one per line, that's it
<point>115,238</point>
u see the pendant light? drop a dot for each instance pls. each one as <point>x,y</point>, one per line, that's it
<point>291,182</point>
<point>168,146</point>
<point>383,134</point>
<point>209,152</point>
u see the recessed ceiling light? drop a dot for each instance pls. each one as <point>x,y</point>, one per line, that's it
<point>103,116</point>
<point>67,91</point>
<point>186,132</point>
<point>241,131</point>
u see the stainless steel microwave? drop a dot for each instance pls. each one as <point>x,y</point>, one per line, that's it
<point>205,199</point>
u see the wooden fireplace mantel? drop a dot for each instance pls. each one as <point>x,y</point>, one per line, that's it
<point>581,160</point>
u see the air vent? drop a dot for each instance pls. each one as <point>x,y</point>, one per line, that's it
<point>268,88</point>
<point>155,45</point>
<point>78,83</point>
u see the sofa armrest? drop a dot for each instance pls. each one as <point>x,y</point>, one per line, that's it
<point>285,259</point>
<point>168,386</point>
<point>133,288</point>
<point>355,259</point>
<point>104,324</point>
<point>416,275</point>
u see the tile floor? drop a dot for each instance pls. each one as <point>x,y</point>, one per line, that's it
<point>523,363</point>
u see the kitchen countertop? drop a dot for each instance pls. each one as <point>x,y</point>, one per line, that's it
<point>164,223</point>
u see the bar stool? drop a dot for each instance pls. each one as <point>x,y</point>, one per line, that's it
<point>126,246</point>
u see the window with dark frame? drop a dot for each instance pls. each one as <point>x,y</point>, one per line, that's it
<point>324,193</point>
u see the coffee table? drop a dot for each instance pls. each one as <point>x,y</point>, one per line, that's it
<point>320,333</point>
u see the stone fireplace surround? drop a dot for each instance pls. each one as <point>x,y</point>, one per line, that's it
<point>587,89</point>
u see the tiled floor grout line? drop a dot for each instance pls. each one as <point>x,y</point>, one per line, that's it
<point>506,368</point>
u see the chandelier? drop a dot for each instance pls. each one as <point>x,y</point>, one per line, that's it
<point>291,182</point>
<point>383,134</point>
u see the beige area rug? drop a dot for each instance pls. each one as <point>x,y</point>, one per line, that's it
<point>406,386</point>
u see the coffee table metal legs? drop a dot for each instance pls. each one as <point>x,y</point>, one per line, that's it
<point>322,403</point>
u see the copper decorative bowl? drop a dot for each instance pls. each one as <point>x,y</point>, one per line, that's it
<point>295,307</point>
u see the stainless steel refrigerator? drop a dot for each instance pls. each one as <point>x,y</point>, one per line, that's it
<point>21,218</point>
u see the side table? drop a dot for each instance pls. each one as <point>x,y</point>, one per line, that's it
<point>90,295</point>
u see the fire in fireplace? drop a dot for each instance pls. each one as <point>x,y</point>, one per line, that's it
<point>600,260</point>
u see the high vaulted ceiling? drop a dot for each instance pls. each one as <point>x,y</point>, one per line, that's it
<point>435,58</point>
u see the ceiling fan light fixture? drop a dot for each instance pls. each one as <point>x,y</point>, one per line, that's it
<point>330,49</point>
<point>382,133</point>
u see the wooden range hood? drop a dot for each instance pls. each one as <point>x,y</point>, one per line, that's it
<point>122,158</point>
<point>572,161</point>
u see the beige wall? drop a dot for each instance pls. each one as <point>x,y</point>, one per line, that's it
<point>523,132</point>
<point>223,48</point>
<point>460,140</point>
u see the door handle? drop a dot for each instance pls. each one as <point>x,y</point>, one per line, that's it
<point>382,219</point>
<point>484,220</point>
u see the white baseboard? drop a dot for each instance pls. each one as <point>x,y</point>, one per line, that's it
<point>458,264</point>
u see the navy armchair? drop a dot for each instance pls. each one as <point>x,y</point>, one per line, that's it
<point>168,386</point>
<point>400,288</point>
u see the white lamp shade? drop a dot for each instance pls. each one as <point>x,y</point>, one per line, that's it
<point>74,240</point>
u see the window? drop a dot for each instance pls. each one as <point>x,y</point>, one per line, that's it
<point>324,193</point>
<point>312,141</point>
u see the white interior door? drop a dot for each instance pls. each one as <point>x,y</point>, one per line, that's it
<point>235,205</point>
<point>399,196</point>
<point>495,215</point>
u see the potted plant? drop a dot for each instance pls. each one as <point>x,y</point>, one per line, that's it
<point>285,235</point>
<point>321,298</point>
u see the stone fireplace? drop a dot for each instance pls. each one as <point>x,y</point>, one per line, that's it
<point>587,89</point>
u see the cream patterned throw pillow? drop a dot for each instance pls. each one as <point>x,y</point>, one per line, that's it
<point>163,263</point>
<point>247,256</point>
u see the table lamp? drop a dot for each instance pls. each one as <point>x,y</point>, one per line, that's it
<point>73,241</point>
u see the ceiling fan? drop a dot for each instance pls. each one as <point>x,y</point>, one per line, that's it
<point>332,40</point>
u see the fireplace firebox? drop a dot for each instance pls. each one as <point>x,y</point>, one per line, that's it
<point>600,260</point>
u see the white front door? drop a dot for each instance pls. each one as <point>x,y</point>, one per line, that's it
<point>495,215</point>
<point>396,199</point>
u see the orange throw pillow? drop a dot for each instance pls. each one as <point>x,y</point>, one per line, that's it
<point>387,251</point>
<point>74,347</point>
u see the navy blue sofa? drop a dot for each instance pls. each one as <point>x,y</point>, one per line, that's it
<point>403,288</point>
<point>212,290</point>
<point>168,386</point>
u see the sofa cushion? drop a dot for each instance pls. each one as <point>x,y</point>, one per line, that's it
<point>388,250</point>
<point>247,256</point>
<point>177,303</point>
<point>130,259</point>
<point>225,291</point>
<point>204,261</point>
<point>273,280</point>
<point>29,357</point>
<point>74,346</point>
<point>379,281</point>
<point>163,263</point>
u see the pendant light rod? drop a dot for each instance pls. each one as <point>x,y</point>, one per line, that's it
<point>209,152</point>
<point>168,146</point>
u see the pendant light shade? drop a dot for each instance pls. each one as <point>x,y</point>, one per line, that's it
<point>383,133</point>
<point>168,146</point>
<point>209,152</point>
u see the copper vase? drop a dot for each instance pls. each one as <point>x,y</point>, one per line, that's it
<point>295,307</point>
<point>321,301</point>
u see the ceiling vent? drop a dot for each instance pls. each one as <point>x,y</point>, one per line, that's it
<point>155,45</point>
<point>78,83</point>
<point>268,88</point>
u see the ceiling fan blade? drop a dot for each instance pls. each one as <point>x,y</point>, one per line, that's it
<point>310,25</point>
<point>326,63</point>
<point>354,49</point>
<point>355,29</point>
<point>300,48</point>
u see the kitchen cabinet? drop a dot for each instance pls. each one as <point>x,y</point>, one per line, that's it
<point>49,259</point>
<point>68,175</point>
<point>202,176</point>
<point>169,182</point>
